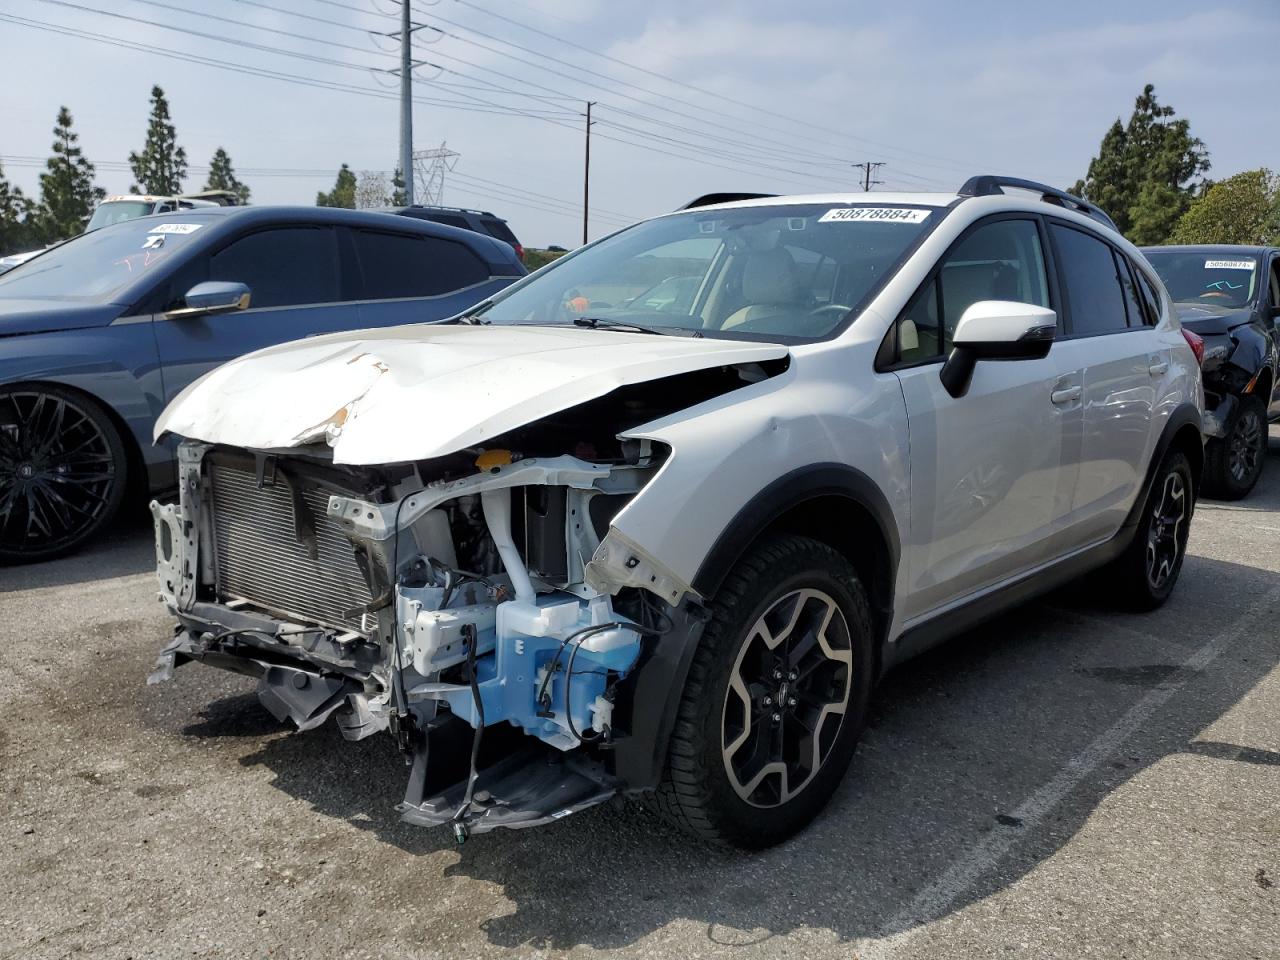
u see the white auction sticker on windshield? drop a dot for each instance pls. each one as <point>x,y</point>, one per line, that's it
<point>1230,264</point>
<point>875,215</point>
<point>176,228</point>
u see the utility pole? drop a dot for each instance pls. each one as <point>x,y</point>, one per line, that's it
<point>868,168</point>
<point>586,175</point>
<point>406,102</point>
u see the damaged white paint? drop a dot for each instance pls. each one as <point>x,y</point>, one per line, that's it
<point>415,392</point>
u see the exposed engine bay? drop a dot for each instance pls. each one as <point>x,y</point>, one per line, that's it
<point>474,605</point>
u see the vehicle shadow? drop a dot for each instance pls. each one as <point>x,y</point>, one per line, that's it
<point>126,547</point>
<point>956,741</point>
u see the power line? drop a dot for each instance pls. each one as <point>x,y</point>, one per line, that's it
<point>684,85</point>
<point>262,48</point>
<point>754,159</point>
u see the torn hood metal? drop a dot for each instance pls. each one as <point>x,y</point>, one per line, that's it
<point>427,390</point>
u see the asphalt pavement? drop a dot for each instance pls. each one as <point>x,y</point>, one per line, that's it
<point>1066,781</point>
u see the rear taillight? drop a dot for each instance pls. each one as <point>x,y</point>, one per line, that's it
<point>1196,343</point>
<point>519,251</point>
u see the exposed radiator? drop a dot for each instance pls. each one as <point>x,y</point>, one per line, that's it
<point>261,559</point>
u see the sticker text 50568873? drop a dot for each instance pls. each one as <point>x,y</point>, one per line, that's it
<point>875,214</point>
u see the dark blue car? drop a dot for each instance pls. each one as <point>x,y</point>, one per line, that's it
<point>98,334</point>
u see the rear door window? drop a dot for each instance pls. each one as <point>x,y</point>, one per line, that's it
<point>449,220</point>
<point>1095,297</point>
<point>397,265</point>
<point>498,229</point>
<point>283,267</point>
<point>1149,297</point>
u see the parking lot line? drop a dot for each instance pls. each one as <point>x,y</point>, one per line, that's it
<point>934,899</point>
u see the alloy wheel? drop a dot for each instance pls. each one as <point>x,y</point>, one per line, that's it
<point>1165,537</point>
<point>1245,447</point>
<point>57,472</point>
<point>788,693</point>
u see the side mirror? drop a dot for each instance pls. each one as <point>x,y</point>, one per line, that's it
<point>996,330</point>
<point>212,296</point>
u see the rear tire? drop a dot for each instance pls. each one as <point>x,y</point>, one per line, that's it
<point>775,699</point>
<point>1145,574</point>
<point>1234,463</point>
<point>63,472</point>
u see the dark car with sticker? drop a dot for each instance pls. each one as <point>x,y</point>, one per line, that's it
<point>99,334</point>
<point>1230,296</point>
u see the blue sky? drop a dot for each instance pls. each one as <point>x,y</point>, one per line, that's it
<point>765,96</point>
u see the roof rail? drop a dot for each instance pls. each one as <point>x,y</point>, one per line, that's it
<point>987,185</point>
<point>707,199</point>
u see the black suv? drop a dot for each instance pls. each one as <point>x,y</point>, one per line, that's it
<point>477,221</point>
<point>1230,296</point>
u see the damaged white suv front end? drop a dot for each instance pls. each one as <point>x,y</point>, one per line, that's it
<point>435,587</point>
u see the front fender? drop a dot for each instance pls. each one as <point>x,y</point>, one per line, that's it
<point>116,365</point>
<point>726,451</point>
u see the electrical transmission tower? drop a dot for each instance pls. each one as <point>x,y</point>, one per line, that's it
<point>429,168</point>
<point>868,168</point>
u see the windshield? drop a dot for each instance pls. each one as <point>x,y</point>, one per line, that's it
<point>95,266</point>
<point>1220,279</point>
<point>115,211</point>
<point>783,272</point>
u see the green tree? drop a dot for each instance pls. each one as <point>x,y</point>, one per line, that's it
<point>222,176</point>
<point>162,164</point>
<point>398,197</point>
<point>67,193</point>
<point>1240,209</point>
<point>17,231</point>
<point>1145,171</point>
<point>343,193</point>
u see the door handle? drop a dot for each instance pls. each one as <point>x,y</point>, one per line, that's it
<point>1065,395</point>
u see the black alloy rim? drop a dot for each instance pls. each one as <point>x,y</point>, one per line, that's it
<point>57,473</point>
<point>1247,441</point>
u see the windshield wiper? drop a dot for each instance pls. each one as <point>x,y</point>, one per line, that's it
<point>598,323</point>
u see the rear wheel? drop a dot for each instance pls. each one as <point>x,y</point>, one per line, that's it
<point>775,698</point>
<point>1234,463</point>
<point>1145,575</point>
<point>62,472</point>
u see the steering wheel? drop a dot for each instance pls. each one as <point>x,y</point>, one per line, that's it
<point>839,308</point>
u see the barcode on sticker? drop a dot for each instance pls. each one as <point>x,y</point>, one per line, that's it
<point>176,228</point>
<point>876,214</point>
<point>1230,264</point>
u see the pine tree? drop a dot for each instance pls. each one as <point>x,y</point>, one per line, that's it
<point>343,193</point>
<point>17,232</point>
<point>67,193</point>
<point>398,196</point>
<point>222,176</point>
<point>1144,173</point>
<point>162,164</point>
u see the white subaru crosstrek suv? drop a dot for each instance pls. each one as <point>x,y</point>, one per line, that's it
<point>584,541</point>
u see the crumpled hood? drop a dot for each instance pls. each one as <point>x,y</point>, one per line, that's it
<point>421,391</point>
<point>1209,319</point>
<point>44,316</point>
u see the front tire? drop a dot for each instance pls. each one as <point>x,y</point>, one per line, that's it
<point>1234,463</point>
<point>775,699</point>
<point>63,472</point>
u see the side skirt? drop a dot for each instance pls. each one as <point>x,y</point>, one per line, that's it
<point>957,620</point>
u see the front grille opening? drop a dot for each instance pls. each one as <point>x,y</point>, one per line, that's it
<point>260,556</point>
